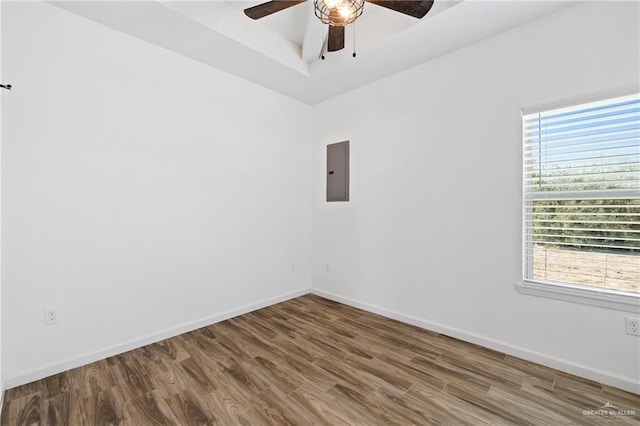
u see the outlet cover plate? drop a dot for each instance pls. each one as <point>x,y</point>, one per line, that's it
<point>633,326</point>
<point>51,315</point>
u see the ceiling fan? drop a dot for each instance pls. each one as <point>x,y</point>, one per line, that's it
<point>339,13</point>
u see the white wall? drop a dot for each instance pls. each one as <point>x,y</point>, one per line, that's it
<point>143,193</point>
<point>432,233</point>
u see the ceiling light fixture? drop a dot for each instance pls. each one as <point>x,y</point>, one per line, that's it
<point>338,12</point>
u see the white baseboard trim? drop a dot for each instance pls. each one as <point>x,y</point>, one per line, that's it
<point>87,358</point>
<point>625,383</point>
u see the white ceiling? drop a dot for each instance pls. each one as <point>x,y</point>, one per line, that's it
<point>282,51</point>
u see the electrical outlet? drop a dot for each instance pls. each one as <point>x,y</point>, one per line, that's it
<point>293,267</point>
<point>633,326</point>
<point>50,316</point>
<point>327,268</point>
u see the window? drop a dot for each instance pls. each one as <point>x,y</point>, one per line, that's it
<point>582,197</point>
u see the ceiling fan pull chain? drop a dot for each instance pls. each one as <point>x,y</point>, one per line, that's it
<point>354,39</point>
<point>323,44</point>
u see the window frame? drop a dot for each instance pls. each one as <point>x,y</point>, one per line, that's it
<point>605,298</point>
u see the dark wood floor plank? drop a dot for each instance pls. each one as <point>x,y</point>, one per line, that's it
<point>148,353</point>
<point>131,378</point>
<point>363,407</point>
<point>309,372</point>
<point>277,408</point>
<point>256,326</point>
<point>240,379</point>
<point>383,346</point>
<point>347,375</point>
<point>554,402</point>
<point>63,410</point>
<point>207,350</point>
<point>322,412</point>
<point>525,410</point>
<point>202,379</point>
<point>233,347</point>
<point>191,410</point>
<point>24,390</point>
<point>353,347</point>
<point>420,375</point>
<point>321,343</point>
<point>312,361</point>
<point>151,409</point>
<point>622,399</point>
<point>481,401</point>
<point>497,376</point>
<point>407,344</point>
<point>56,385</point>
<point>166,377</point>
<point>443,408</point>
<point>231,410</point>
<point>284,379</point>
<point>172,349</point>
<point>26,410</point>
<point>297,348</point>
<point>358,326</point>
<point>326,406</point>
<point>398,404</point>
<point>92,378</point>
<point>106,408</point>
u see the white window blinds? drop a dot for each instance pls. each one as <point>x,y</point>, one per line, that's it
<point>582,195</point>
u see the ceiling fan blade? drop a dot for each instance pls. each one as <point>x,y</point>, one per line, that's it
<point>417,9</point>
<point>265,9</point>
<point>336,38</point>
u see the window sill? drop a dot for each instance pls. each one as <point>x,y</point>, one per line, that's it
<point>610,299</point>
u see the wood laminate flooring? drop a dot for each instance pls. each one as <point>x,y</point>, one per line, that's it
<point>313,361</point>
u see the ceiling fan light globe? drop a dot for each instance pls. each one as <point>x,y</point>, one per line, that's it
<point>345,11</point>
<point>331,4</point>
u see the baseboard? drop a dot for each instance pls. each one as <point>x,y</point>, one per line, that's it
<point>621,382</point>
<point>87,358</point>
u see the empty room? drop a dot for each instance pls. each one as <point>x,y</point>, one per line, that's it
<point>320,212</point>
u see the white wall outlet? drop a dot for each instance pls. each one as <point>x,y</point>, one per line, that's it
<point>327,268</point>
<point>633,326</point>
<point>293,267</point>
<point>51,316</point>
